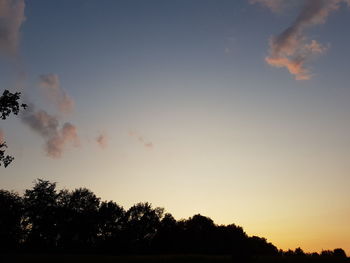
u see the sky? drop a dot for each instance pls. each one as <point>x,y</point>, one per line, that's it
<point>237,110</point>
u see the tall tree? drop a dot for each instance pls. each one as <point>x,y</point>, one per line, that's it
<point>11,218</point>
<point>111,226</point>
<point>41,210</point>
<point>78,218</point>
<point>142,223</point>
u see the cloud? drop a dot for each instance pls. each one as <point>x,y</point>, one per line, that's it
<point>55,94</point>
<point>315,47</point>
<point>11,19</point>
<point>102,140</point>
<point>148,145</point>
<point>274,5</point>
<point>141,139</point>
<point>48,127</point>
<point>58,136</point>
<point>291,48</point>
<point>2,136</point>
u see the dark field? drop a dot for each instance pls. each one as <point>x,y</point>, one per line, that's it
<point>153,259</point>
<point>116,259</point>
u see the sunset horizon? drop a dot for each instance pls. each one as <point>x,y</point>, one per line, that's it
<point>235,110</point>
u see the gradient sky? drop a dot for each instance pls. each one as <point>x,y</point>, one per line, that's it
<point>189,114</point>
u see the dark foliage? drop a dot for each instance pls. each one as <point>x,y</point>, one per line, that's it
<point>12,229</point>
<point>47,220</point>
<point>5,160</point>
<point>8,104</point>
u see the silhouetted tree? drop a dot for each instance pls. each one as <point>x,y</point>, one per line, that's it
<point>260,246</point>
<point>142,222</point>
<point>167,236</point>
<point>326,253</point>
<point>79,216</point>
<point>111,224</point>
<point>47,220</point>
<point>8,104</point>
<point>5,160</point>
<point>340,253</point>
<point>64,219</point>
<point>231,239</point>
<point>299,252</point>
<point>40,211</point>
<point>199,233</point>
<point>11,218</point>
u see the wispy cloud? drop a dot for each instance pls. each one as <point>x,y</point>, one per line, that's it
<point>11,19</point>
<point>274,5</point>
<point>146,143</point>
<point>57,136</point>
<point>102,140</point>
<point>2,136</point>
<point>292,48</point>
<point>50,84</point>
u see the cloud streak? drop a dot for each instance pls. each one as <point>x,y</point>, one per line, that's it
<point>57,136</point>
<point>102,140</point>
<point>50,84</point>
<point>147,144</point>
<point>274,5</point>
<point>292,49</point>
<point>11,19</point>
<point>2,136</point>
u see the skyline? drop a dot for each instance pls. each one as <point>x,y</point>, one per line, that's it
<point>196,106</point>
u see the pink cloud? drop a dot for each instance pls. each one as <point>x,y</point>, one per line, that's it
<point>47,126</point>
<point>291,49</point>
<point>55,94</point>
<point>11,19</point>
<point>147,144</point>
<point>102,140</point>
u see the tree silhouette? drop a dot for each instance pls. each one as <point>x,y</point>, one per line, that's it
<point>339,252</point>
<point>167,237</point>
<point>48,220</point>
<point>11,228</point>
<point>5,160</point>
<point>8,104</point>
<point>142,222</point>
<point>84,207</point>
<point>111,225</point>
<point>40,211</point>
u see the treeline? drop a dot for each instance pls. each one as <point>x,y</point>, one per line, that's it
<point>46,220</point>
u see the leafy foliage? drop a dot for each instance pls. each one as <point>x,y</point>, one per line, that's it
<point>8,104</point>
<point>5,160</point>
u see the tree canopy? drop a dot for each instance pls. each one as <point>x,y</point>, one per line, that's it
<point>46,219</point>
<point>9,103</point>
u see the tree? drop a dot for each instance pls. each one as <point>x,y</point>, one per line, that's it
<point>111,225</point>
<point>41,213</point>
<point>5,160</point>
<point>142,222</point>
<point>11,218</point>
<point>339,252</point>
<point>167,236</point>
<point>78,218</point>
<point>8,104</point>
